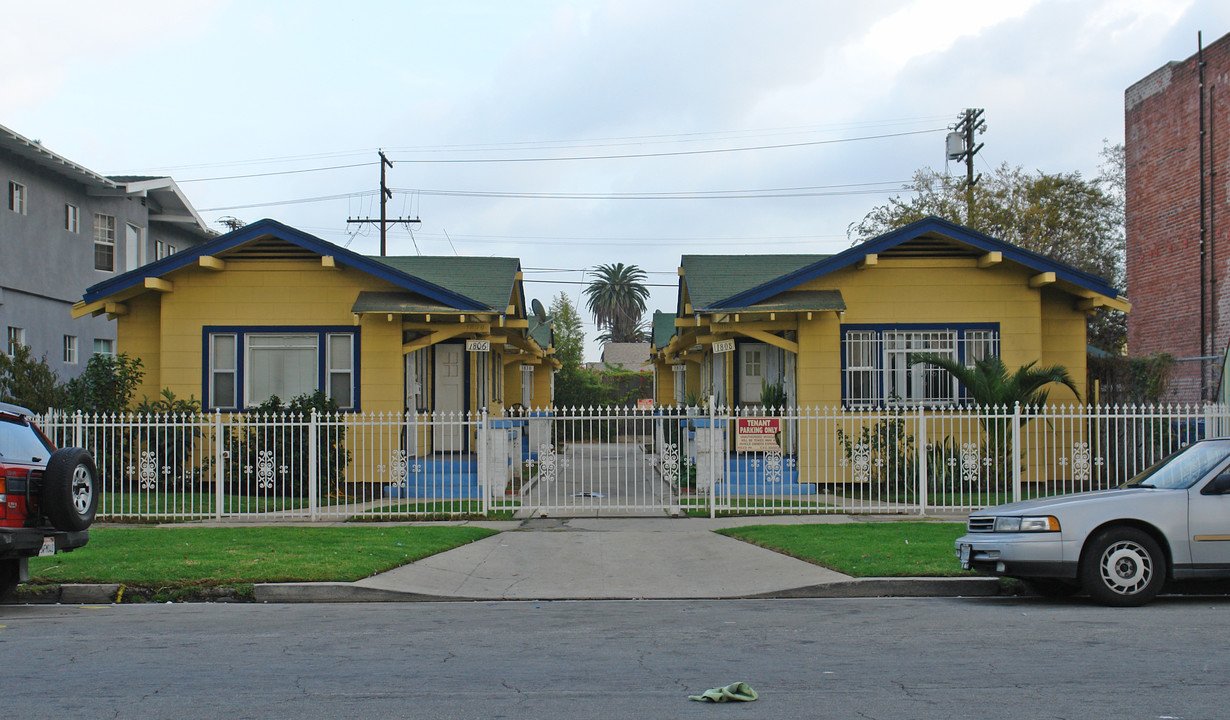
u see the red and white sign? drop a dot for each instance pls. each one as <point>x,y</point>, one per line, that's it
<point>758,434</point>
<point>644,404</point>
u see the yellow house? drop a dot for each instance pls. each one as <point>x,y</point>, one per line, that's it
<point>270,310</point>
<point>835,330</point>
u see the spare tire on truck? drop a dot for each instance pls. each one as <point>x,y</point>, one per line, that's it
<point>69,497</point>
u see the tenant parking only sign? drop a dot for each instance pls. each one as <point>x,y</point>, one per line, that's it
<point>758,434</point>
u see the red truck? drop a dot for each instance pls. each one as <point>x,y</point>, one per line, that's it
<point>48,497</point>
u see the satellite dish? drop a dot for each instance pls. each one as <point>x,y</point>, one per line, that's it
<point>539,312</point>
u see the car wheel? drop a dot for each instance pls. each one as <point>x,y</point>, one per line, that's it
<point>1049,588</point>
<point>9,570</point>
<point>70,489</point>
<point>1124,567</point>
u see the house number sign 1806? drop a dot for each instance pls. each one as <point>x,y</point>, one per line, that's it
<point>478,346</point>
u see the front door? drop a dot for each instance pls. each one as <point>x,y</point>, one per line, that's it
<point>450,398</point>
<point>753,358</point>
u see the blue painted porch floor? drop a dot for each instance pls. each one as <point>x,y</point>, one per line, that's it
<point>745,475</point>
<point>440,476</point>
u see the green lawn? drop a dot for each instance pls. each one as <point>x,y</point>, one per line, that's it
<point>880,549</point>
<point>179,557</point>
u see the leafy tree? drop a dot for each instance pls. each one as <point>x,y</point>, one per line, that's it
<point>568,332</point>
<point>28,382</point>
<point>107,384</point>
<point>1062,216</point>
<point>616,298</point>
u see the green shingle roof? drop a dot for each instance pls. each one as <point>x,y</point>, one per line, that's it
<point>488,280</point>
<point>395,302</point>
<point>796,300</point>
<point>663,328</point>
<point>712,278</point>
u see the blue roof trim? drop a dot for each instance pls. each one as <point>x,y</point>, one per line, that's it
<point>909,232</point>
<point>267,227</point>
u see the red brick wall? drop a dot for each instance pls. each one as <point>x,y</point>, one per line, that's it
<point>1162,145</point>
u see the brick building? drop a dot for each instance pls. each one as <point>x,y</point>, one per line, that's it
<point>1173,300</point>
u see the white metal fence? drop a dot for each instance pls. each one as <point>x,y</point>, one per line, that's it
<point>616,460</point>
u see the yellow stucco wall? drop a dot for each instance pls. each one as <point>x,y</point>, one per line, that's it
<point>1034,324</point>
<point>259,293</point>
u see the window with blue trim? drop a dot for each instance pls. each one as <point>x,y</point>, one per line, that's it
<point>247,366</point>
<point>876,371</point>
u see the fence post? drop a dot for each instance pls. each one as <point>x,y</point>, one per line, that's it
<point>1016,453</point>
<point>714,436</point>
<point>923,457</point>
<point>313,467</point>
<point>482,435</point>
<point>219,469</point>
<point>1208,421</point>
<point>78,429</point>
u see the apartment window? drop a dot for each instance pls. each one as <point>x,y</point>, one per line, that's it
<point>877,368</point>
<point>104,243</point>
<point>104,346</point>
<point>70,349</point>
<point>170,249</point>
<point>247,366</point>
<point>72,218</point>
<point>17,338</point>
<point>160,250</point>
<point>17,197</point>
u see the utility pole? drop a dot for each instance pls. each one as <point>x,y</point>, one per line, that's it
<point>385,194</point>
<point>961,147</point>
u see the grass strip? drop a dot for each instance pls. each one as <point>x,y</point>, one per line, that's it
<point>170,557</point>
<point>880,549</point>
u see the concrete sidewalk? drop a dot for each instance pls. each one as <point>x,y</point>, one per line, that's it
<point>617,558</point>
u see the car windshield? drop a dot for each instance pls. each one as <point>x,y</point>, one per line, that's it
<point>21,443</point>
<point>1184,468</point>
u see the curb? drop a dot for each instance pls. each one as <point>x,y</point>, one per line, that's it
<point>341,592</point>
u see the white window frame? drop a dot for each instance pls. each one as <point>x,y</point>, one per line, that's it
<point>72,218</point>
<point>876,371</point>
<point>16,338</point>
<point>310,340</point>
<point>216,369</point>
<point>527,386</point>
<point>70,349</point>
<point>237,366</point>
<point>104,347</point>
<point>679,378</point>
<point>104,241</point>
<point>17,197</point>
<point>336,366</point>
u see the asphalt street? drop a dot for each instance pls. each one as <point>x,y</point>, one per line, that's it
<point>808,658</point>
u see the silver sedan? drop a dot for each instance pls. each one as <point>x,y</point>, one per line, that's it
<point>1171,522</point>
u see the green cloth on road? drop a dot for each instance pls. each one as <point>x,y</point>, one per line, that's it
<point>735,691</point>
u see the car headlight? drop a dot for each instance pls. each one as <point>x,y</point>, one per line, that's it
<point>1012,524</point>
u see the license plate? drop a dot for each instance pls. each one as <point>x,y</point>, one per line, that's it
<point>48,548</point>
<point>965,553</point>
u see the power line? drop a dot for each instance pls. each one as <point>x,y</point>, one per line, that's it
<point>571,158</point>
<point>676,153</point>
<point>874,188</point>
<point>567,144</point>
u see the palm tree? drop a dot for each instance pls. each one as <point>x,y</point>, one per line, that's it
<point>989,384</point>
<point>992,387</point>
<point>616,298</point>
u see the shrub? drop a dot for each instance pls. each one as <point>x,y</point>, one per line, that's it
<point>273,452</point>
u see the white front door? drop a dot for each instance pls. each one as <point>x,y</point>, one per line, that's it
<point>753,358</point>
<point>450,397</point>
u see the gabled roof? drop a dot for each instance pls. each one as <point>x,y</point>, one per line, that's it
<point>710,278</point>
<point>663,328</point>
<point>271,238</point>
<point>489,280</point>
<point>173,204</point>
<point>928,237</point>
<point>33,151</point>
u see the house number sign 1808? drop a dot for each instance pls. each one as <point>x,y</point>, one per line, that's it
<point>724,346</point>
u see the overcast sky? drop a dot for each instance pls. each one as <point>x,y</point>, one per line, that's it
<point>743,103</point>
